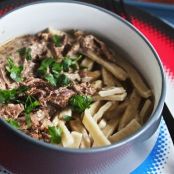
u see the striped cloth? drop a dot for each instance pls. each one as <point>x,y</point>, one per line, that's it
<point>160,160</point>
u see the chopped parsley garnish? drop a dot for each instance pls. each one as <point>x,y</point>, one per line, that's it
<point>56,40</point>
<point>14,70</point>
<point>55,134</point>
<point>80,102</point>
<point>13,123</point>
<point>51,79</point>
<point>67,117</point>
<point>50,70</point>
<point>30,104</point>
<point>62,80</point>
<point>44,70</point>
<point>56,68</point>
<point>68,63</point>
<point>11,95</point>
<point>25,53</point>
<point>57,80</point>
<point>7,95</point>
<point>45,65</point>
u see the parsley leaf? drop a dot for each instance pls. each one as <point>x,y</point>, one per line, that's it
<point>56,68</point>
<point>56,134</point>
<point>7,95</point>
<point>28,119</point>
<point>45,65</point>
<point>50,78</point>
<point>63,80</point>
<point>13,123</point>
<point>56,40</point>
<point>50,70</point>
<point>67,117</point>
<point>22,89</point>
<point>70,63</point>
<point>14,71</point>
<point>57,80</point>
<point>67,62</point>
<point>25,52</point>
<point>11,95</point>
<point>80,102</point>
<point>30,104</point>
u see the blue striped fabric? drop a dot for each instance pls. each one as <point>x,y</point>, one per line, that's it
<point>157,159</point>
<point>164,11</point>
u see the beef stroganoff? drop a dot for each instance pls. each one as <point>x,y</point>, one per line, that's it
<point>70,89</point>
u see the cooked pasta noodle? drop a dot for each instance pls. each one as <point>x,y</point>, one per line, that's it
<point>69,89</point>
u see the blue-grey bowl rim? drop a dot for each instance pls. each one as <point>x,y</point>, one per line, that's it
<point>122,142</point>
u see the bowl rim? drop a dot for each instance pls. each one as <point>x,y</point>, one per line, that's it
<point>127,139</point>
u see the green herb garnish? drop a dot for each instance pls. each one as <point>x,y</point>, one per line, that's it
<point>56,68</point>
<point>45,65</point>
<point>56,134</point>
<point>80,102</point>
<point>49,65</point>
<point>13,123</point>
<point>14,71</point>
<point>30,104</point>
<point>70,63</point>
<point>56,40</point>
<point>7,95</point>
<point>57,80</point>
<point>67,62</point>
<point>51,79</point>
<point>11,95</point>
<point>62,80</point>
<point>25,52</point>
<point>67,117</point>
<point>50,71</point>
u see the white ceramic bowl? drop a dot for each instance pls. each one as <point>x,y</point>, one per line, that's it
<point>32,155</point>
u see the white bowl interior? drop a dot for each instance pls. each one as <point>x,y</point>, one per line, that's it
<point>34,18</point>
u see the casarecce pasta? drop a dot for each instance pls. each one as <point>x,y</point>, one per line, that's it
<point>70,89</point>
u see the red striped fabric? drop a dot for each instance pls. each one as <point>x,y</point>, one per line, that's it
<point>163,44</point>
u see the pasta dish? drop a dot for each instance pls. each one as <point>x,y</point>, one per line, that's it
<point>71,89</point>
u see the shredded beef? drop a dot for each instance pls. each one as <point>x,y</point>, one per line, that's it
<point>39,93</point>
<point>39,89</point>
<point>61,51</point>
<point>38,116</point>
<point>84,88</point>
<point>44,36</point>
<point>92,43</point>
<point>38,48</point>
<point>45,123</point>
<point>11,110</point>
<point>2,79</point>
<point>61,96</point>
<point>36,82</point>
<point>74,50</point>
<point>28,69</point>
